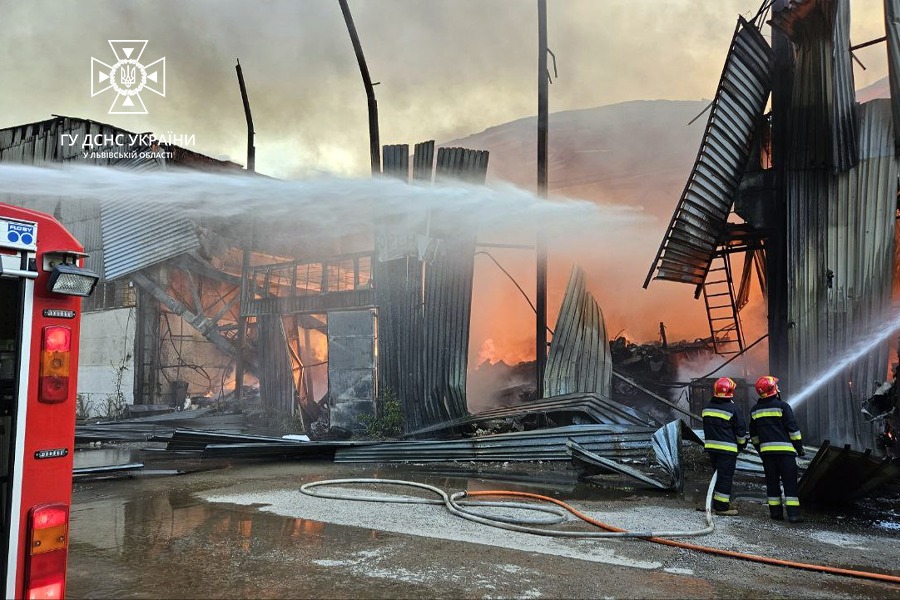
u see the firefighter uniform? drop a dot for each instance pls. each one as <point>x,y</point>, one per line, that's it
<point>775,434</point>
<point>725,434</point>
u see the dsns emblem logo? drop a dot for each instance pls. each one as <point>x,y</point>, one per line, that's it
<point>128,77</point>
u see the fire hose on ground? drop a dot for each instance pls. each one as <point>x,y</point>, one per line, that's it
<point>467,510</point>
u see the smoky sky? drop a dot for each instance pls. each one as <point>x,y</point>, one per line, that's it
<point>446,68</point>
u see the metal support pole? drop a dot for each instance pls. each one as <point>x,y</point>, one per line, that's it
<point>541,242</point>
<point>251,149</point>
<point>374,144</point>
<point>246,245</point>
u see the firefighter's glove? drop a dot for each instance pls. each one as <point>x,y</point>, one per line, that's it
<point>741,448</point>
<point>801,451</point>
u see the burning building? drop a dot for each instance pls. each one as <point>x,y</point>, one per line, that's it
<point>806,193</point>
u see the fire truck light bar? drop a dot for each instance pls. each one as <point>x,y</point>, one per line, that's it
<point>72,281</point>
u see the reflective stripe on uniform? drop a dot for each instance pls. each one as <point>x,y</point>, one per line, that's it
<point>721,497</point>
<point>773,501</point>
<point>791,501</point>
<point>766,412</point>
<point>717,445</point>
<point>755,440</point>
<point>795,436</point>
<point>776,447</point>
<point>719,414</point>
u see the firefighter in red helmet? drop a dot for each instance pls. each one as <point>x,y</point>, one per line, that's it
<point>725,434</point>
<point>775,434</point>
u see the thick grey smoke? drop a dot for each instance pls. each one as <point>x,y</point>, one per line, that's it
<point>447,68</point>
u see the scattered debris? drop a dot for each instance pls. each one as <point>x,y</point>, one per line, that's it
<point>841,475</point>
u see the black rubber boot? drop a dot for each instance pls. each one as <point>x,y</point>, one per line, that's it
<point>793,514</point>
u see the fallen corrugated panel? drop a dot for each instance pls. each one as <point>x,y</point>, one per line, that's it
<point>320,450</point>
<point>577,453</point>
<point>737,110</point>
<point>563,410</point>
<point>542,444</point>
<point>82,472</point>
<point>841,475</point>
<point>209,444</point>
<point>840,239</point>
<point>115,433</point>
<point>191,439</point>
<point>579,359</point>
<point>667,441</point>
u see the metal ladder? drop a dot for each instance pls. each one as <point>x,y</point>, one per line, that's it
<point>718,295</point>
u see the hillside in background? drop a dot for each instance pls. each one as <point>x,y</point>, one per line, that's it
<point>636,153</point>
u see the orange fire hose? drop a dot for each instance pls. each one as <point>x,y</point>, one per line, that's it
<point>688,546</point>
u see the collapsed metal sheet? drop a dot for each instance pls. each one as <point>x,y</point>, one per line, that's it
<point>579,360</point>
<point>579,454</point>
<point>542,444</point>
<point>667,447</point>
<point>562,410</point>
<point>842,475</point>
<point>699,219</point>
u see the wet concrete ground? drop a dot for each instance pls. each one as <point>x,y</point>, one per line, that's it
<point>244,531</point>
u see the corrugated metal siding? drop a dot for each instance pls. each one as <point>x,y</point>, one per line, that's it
<point>700,217</point>
<point>276,375</point>
<point>398,295</point>
<point>423,161</point>
<point>423,340</point>
<point>822,124</point>
<point>579,358</point>
<point>892,30</point>
<point>843,225</point>
<point>137,235</point>
<point>448,300</point>
<point>42,142</point>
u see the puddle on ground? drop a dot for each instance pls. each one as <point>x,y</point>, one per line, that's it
<point>172,545</point>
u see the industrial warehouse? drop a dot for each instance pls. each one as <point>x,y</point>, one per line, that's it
<point>255,340</point>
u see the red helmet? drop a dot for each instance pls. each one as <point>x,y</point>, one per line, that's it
<point>767,386</point>
<point>724,387</point>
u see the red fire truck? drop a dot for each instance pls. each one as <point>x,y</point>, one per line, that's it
<point>41,282</point>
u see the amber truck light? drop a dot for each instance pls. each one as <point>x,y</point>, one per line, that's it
<point>48,543</point>
<point>55,349</point>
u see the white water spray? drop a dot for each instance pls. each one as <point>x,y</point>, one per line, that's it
<point>324,205</point>
<point>853,355</point>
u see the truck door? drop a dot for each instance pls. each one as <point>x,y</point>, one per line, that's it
<point>12,417</point>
